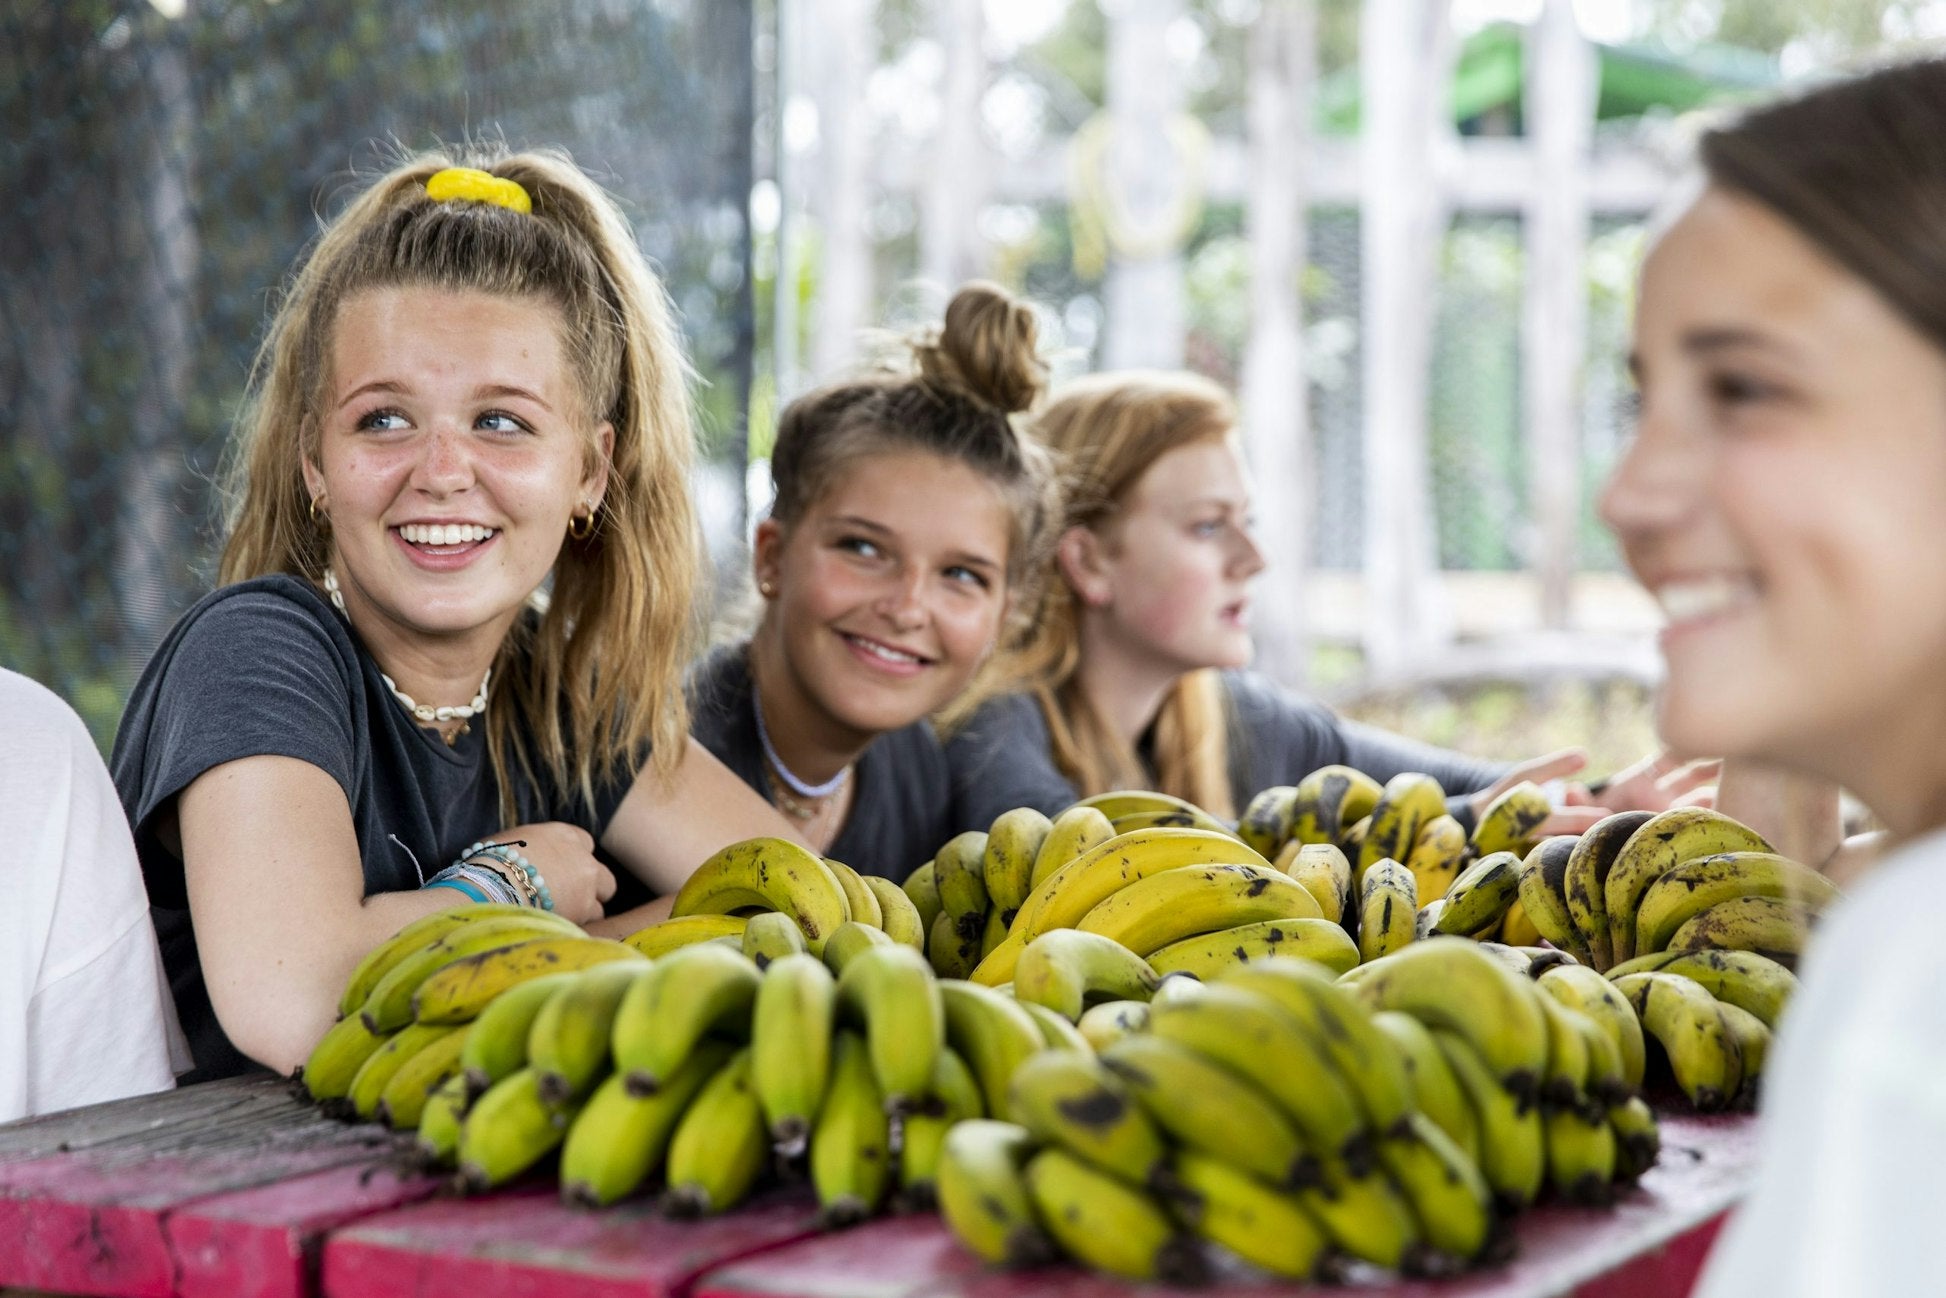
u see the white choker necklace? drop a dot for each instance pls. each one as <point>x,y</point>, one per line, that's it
<point>420,711</point>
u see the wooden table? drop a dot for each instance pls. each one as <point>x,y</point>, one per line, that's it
<point>239,1190</point>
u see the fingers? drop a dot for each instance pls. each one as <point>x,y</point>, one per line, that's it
<point>604,883</point>
<point>1552,766</point>
<point>1690,776</point>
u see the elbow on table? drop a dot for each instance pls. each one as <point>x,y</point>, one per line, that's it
<point>278,1037</point>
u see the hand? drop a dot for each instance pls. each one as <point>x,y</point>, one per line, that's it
<point>1661,781</point>
<point>565,856</point>
<point>1554,766</point>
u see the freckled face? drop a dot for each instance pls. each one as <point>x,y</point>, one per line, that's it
<point>1179,559</point>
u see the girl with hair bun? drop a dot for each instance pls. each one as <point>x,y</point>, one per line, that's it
<point>1784,500</point>
<point>446,662</point>
<point>910,520</point>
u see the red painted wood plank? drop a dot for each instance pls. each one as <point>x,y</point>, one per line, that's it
<point>525,1243</point>
<point>891,1256</point>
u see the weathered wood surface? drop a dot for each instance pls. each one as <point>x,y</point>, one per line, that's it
<point>1651,1244</point>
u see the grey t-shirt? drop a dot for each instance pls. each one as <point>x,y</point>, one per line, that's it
<point>1003,757</point>
<point>267,667</point>
<point>903,807</point>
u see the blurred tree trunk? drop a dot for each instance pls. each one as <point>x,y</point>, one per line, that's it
<point>1276,408</point>
<point>1142,178</point>
<point>846,55</point>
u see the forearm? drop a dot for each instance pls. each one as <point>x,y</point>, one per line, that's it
<point>629,921</point>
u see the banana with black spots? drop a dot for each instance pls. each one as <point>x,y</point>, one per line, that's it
<point>619,1139</point>
<point>1696,885</point>
<point>983,1193</point>
<point>1481,895</point>
<point>1542,889</point>
<point>1104,1024</point>
<point>1436,1090</point>
<point>771,936</point>
<point>1564,1084</point>
<point>496,1044</point>
<point>335,1060</point>
<point>385,1062</point>
<point>1637,1138</point>
<point>1513,1144</point>
<point>403,1099</point>
<point>1388,909</point>
<point>508,1130</point>
<point>1581,1155</point>
<point>1703,1052</point>
<point>1585,885</point>
<point>897,915</point>
<point>1208,955</point>
<point>1066,896</point>
<point>921,888</point>
<point>1581,988</point>
<point>1266,822</point>
<point>850,940</point>
<point>1324,871</point>
<point>685,995</point>
<point>1662,843</point>
<point>439,1122</point>
<point>1074,832</point>
<point>1753,1047</point>
<point>1329,801</point>
<point>1204,1106</point>
<point>1449,1194</point>
<point>423,932</point>
<point>1120,804</point>
<point>1437,857</point>
<point>461,991</point>
<point>1075,1101</point>
<point>791,1021</point>
<point>1107,1224</point>
<point>952,954</point>
<point>1062,969</point>
<point>861,903</point>
<point>1741,978</point>
<point>1410,801</point>
<point>959,871</point>
<point>1343,1030</point>
<point>719,1147</point>
<point>389,1007</point>
<point>955,1098</point>
<point>1769,926</point>
<point>673,934</point>
<point>1153,912</point>
<point>1510,821</point>
<point>1363,1213</point>
<point>771,873</point>
<point>1014,839</point>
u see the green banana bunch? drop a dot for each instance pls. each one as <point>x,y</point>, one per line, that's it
<point>1768,926</point>
<point>1062,969</point>
<point>850,940</point>
<point>1074,1101</point>
<point>1581,988</point>
<point>1065,897</point>
<point>1742,978</point>
<point>790,1045</point>
<point>1363,1213</point>
<point>1513,1146</point>
<point>1410,801</point>
<point>1056,1032</point>
<point>439,1122</point>
<point>851,1144</point>
<point>508,1130</point>
<point>423,932</point>
<point>1323,870</point>
<point>898,916</point>
<point>772,873</point>
<point>496,1045</point>
<point>861,903</point>
<point>1207,1108</point>
<point>567,1044</point>
<point>983,1193</point>
<point>1696,885</point>
<point>1208,955</point>
<point>1450,1197</point>
<point>1585,885</point>
<point>368,1086</point>
<point>1153,912</point>
<point>720,1146</point>
<point>1227,1206</point>
<point>992,1034</point>
<point>890,990</point>
<point>389,1007</point>
<point>1014,840</point>
<point>620,1138</point>
<point>772,936</point>
<point>955,1099</point>
<point>1438,855</point>
<point>1328,802</point>
<point>674,934</point>
<point>335,1060</point>
<point>1510,820</point>
<point>403,1099</point>
<point>1104,1024</point>
<point>921,888</point>
<point>1662,843</point>
<point>1703,1052</point>
<point>1388,909</point>
<point>1436,1090</point>
<point>1107,1224</point>
<point>1543,896</point>
<point>1343,1031</point>
<point>685,995</point>
<point>1266,822</point>
<point>1481,895</point>
<point>458,992</point>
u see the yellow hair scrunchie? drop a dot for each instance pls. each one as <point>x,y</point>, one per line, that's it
<point>474,186</point>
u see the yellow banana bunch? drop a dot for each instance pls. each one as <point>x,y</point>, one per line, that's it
<point>1062,969</point>
<point>1742,978</point>
<point>773,874</point>
<point>1388,909</point>
<point>1585,885</point>
<point>1121,804</point>
<point>1328,802</point>
<point>1509,822</point>
<point>1662,843</point>
<point>1065,897</point>
<point>685,995</point>
<point>1209,954</point>
<point>460,991</point>
<point>1166,907</point>
<point>1703,1052</point>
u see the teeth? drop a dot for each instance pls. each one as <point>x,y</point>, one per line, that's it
<point>444,533</point>
<point>1683,601</point>
<point>884,651</point>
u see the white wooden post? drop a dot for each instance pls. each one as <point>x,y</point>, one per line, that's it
<point>844,298</point>
<point>1561,85</point>
<point>1405,51</point>
<point>1276,408</point>
<point>956,176</point>
<point>1142,179</point>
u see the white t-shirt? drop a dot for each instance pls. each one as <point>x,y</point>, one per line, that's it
<point>1853,1168</point>
<point>85,1012</point>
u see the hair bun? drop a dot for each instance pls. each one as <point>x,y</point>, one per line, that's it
<point>987,349</point>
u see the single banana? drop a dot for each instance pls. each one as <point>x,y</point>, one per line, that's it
<point>890,990</point>
<point>619,1139</point>
<point>1662,843</point>
<point>851,940</point>
<point>422,932</point>
<point>1104,1024</point>
<point>1741,978</point>
<point>1014,840</point>
<point>339,1054</point>
<point>959,869</point>
<point>983,1193</point>
<point>1437,857</point>
<point>1266,821</point>
<point>1436,1090</point>
<point>1343,1030</point>
<point>1449,1194</point>
<point>1517,930</point>
<point>771,873</point>
<point>1513,1146</point>
<point>389,1007</point>
<point>992,936</point>
<point>686,994</point>
<point>1696,885</point>
<point>1063,968</point>
<point>1074,1101</point>
<point>439,1122</point>
<point>851,1143</point>
<point>997,966</point>
<point>1768,926</point>
<point>992,1034</point>
<point>1056,1031</point>
<point>1325,872</point>
<point>1254,1038</point>
<point>1388,909</point>
<point>1702,1051</point>
<point>1509,821</point>
<point>1208,955</point>
<point>1585,888</point>
<point>922,1136</point>
<point>1227,1206</point>
<point>1637,1139</point>
<point>1153,912</point>
<point>1353,839</point>
<point>1119,804</point>
<point>1077,830</point>
<point>1066,896</point>
<point>860,901</point>
<point>1607,1082</point>
<point>1178,989</point>
<point>508,1130</point>
<point>1481,895</point>
<point>790,1045</point>
<point>1206,1107</point>
<point>1422,923</point>
<point>1410,800</point>
<point>720,1146</point>
<point>1543,880</point>
<point>1451,983</point>
<point>1329,801</point>
<point>403,1100</point>
<point>1107,1224</point>
<point>567,1045</point>
<point>1581,1155</point>
<point>1581,988</point>
<point>898,916</point>
<point>1753,1047</point>
<point>496,1044</point>
<point>461,990</point>
<point>1565,1083</point>
<point>1363,1213</point>
<point>921,888</point>
<point>674,934</point>
<point>387,1061</point>
<point>772,936</point>
<point>951,954</point>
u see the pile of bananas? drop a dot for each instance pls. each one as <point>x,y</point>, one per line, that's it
<point>1297,1121</point>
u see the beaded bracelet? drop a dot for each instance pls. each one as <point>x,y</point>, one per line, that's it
<point>515,868</point>
<point>478,883</point>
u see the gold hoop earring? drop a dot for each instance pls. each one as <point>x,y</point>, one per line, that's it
<point>319,519</point>
<point>582,526</point>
